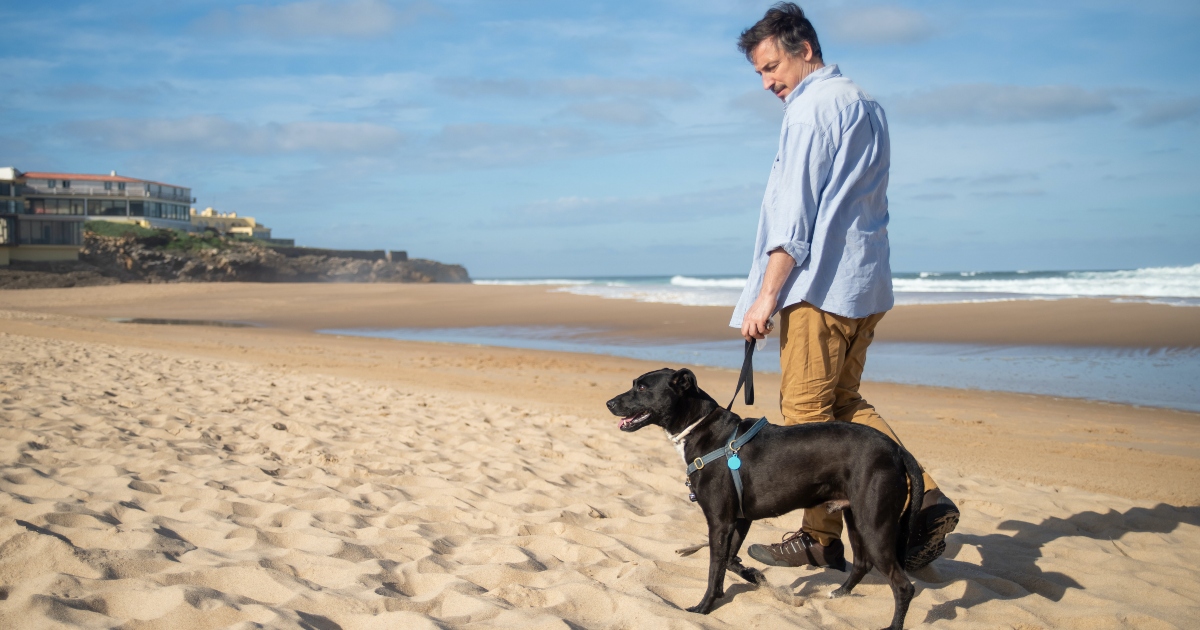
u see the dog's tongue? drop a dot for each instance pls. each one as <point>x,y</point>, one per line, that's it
<point>627,419</point>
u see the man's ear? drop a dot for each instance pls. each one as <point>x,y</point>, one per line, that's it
<point>683,380</point>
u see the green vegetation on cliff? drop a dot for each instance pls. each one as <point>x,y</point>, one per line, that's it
<point>167,240</point>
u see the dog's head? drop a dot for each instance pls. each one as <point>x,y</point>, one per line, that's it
<point>664,397</point>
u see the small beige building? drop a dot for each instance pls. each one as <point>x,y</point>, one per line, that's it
<point>228,223</point>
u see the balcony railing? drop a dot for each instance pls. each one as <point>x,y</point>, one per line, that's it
<point>100,192</point>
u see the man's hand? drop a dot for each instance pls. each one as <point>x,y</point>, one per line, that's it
<point>779,268</point>
<point>754,324</point>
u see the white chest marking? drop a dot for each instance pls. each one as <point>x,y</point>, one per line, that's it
<point>677,440</point>
<point>678,447</point>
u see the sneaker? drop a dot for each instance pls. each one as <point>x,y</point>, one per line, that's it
<point>939,517</point>
<point>799,549</point>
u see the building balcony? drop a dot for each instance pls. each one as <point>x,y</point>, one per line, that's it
<point>100,192</point>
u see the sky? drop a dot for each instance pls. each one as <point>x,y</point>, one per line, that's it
<point>531,138</point>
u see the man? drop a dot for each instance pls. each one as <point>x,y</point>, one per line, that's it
<point>821,262</point>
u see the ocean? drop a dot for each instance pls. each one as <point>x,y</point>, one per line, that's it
<point>1155,377</point>
<point>1177,286</point>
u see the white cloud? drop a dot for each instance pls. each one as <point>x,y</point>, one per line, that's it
<point>630,113</point>
<point>315,18</point>
<point>761,104</point>
<point>933,197</point>
<point>569,87</point>
<point>1169,112</point>
<point>988,103</point>
<point>882,25</point>
<point>1007,194</point>
<point>89,93</point>
<point>568,211</point>
<point>492,145</point>
<point>601,87</point>
<point>215,134</point>
<point>987,179</point>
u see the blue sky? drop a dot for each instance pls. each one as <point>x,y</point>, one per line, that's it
<point>532,138</point>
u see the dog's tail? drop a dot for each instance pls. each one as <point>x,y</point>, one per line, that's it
<point>916,493</point>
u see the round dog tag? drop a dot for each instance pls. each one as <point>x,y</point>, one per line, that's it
<point>735,462</point>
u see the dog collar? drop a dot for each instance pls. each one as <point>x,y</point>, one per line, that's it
<point>678,439</point>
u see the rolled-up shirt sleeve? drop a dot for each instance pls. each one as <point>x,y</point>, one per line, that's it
<point>825,203</point>
<point>803,164</point>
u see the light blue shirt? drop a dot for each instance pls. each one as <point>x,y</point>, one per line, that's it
<point>826,202</point>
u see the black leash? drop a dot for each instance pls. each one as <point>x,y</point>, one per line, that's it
<point>729,451</point>
<point>746,377</point>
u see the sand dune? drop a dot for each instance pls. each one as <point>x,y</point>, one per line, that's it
<point>150,489</point>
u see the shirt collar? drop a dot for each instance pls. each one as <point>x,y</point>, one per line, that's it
<point>820,74</point>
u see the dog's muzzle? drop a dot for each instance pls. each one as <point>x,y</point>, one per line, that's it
<point>629,421</point>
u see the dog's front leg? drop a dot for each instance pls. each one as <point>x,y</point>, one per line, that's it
<point>719,533</point>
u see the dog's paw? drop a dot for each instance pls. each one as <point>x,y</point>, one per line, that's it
<point>753,576</point>
<point>838,592</point>
<point>703,608</point>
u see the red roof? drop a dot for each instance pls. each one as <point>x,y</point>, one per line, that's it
<point>93,178</point>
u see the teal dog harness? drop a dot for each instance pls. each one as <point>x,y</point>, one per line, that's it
<point>730,453</point>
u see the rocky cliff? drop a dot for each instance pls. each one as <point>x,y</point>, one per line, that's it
<point>164,256</point>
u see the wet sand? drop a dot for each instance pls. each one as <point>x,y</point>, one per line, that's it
<point>1080,322</point>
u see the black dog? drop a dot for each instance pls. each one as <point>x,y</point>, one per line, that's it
<point>835,464</point>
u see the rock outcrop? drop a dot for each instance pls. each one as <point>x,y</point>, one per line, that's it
<point>159,258</point>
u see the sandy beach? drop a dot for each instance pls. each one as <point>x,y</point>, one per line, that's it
<point>195,477</point>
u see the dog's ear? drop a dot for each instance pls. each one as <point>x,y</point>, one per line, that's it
<point>683,380</point>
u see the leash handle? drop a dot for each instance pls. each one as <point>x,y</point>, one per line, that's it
<point>745,378</point>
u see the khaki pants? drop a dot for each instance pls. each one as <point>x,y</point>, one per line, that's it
<point>822,356</point>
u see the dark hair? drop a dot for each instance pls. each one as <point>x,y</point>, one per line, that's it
<point>786,23</point>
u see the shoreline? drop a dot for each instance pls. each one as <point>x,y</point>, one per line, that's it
<point>310,307</point>
<point>1151,378</point>
<point>1056,348</point>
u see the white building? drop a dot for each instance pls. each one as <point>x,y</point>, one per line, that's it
<point>42,214</point>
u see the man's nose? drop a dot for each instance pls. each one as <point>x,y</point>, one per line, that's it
<point>768,83</point>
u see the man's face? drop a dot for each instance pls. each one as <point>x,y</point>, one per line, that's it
<point>781,72</point>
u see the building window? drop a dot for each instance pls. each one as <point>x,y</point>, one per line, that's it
<point>106,208</point>
<point>6,231</point>
<point>66,183</point>
<point>120,185</point>
<point>137,209</point>
<point>147,189</point>
<point>50,183</point>
<point>107,185</point>
<point>54,206</point>
<point>6,190</point>
<point>48,232</point>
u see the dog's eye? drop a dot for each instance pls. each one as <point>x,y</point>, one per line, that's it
<point>641,387</point>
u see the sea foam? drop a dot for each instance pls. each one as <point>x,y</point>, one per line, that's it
<point>1177,286</point>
